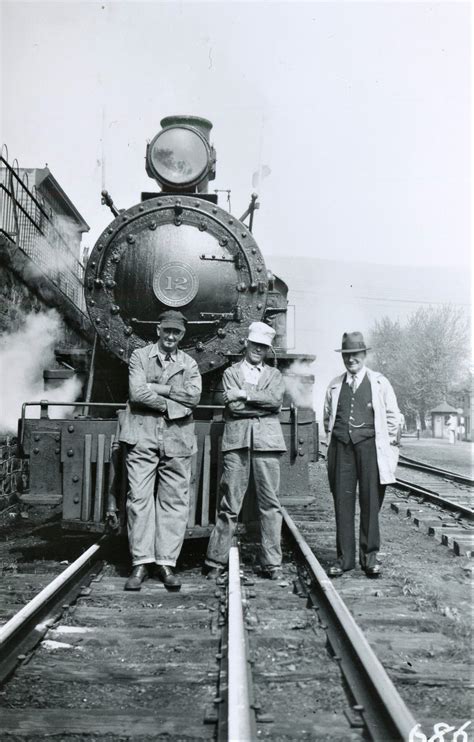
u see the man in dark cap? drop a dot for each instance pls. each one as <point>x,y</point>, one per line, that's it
<point>362,423</point>
<point>158,428</point>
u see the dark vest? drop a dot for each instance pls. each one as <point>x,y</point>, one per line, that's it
<point>355,414</point>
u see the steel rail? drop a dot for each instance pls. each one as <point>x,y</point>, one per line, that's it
<point>382,709</point>
<point>433,497</point>
<point>410,463</point>
<point>27,627</point>
<point>240,713</point>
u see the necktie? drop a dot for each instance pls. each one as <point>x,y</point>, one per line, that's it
<point>353,384</point>
<point>168,357</point>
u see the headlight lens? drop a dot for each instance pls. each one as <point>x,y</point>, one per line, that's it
<point>178,156</point>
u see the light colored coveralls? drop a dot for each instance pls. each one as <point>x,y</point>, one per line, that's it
<point>159,432</point>
<point>252,437</point>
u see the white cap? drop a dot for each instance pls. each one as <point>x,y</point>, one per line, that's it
<point>261,333</point>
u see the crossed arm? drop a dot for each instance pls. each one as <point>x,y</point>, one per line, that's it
<point>255,403</point>
<point>174,399</point>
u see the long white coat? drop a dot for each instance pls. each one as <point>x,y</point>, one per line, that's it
<point>386,420</point>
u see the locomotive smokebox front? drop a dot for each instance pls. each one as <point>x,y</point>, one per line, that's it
<point>177,250</point>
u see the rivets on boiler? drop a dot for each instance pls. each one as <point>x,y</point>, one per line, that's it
<point>131,239</point>
<point>152,226</point>
<point>128,331</point>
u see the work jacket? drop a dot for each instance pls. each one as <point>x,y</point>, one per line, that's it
<point>254,423</point>
<point>386,420</point>
<point>148,414</point>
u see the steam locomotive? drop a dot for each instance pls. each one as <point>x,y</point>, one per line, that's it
<point>177,248</point>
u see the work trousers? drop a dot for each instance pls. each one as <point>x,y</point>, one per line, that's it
<point>156,524</point>
<point>232,489</point>
<point>349,464</point>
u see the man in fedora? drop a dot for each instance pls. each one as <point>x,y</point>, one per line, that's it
<point>362,423</point>
<point>158,428</point>
<point>253,393</point>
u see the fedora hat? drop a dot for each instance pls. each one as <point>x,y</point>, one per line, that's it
<point>261,333</point>
<point>352,342</point>
<point>172,319</point>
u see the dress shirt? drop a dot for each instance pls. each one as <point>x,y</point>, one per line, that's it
<point>359,377</point>
<point>162,357</point>
<point>251,373</point>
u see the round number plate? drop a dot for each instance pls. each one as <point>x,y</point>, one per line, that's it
<point>175,284</point>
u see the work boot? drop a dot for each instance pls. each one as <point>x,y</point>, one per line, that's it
<point>139,573</point>
<point>276,573</point>
<point>165,573</point>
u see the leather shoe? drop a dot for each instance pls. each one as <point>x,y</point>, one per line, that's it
<point>165,573</point>
<point>374,571</point>
<point>139,573</point>
<point>335,571</point>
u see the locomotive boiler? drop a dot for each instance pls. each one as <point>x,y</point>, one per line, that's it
<point>177,248</point>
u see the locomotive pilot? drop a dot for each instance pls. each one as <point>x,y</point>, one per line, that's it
<point>362,422</point>
<point>158,428</point>
<point>253,393</point>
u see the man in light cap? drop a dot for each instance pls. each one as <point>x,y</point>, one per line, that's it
<point>158,428</point>
<point>362,423</point>
<point>253,393</point>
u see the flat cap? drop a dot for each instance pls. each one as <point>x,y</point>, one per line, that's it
<point>172,318</point>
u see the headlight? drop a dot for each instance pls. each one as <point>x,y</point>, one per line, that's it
<point>179,157</point>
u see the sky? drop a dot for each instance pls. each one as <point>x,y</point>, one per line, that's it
<point>360,111</point>
<point>352,121</point>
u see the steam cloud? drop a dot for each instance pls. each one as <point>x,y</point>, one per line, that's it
<point>23,356</point>
<point>299,391</point>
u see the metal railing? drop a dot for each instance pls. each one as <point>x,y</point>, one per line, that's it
<point>28,221</point>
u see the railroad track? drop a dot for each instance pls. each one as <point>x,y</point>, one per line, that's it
<point>435,470</point>
<point>243,659</point>
<point>183,649</point>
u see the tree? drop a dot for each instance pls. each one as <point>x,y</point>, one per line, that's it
<point>425,359</point>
